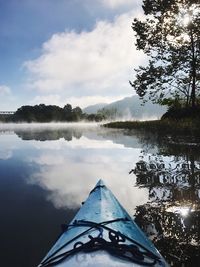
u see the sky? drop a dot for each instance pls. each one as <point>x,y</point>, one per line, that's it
<point>56,52</point>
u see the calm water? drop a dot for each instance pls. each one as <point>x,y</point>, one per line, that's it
<point>46,171</point>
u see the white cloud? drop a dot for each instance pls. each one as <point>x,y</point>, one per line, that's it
<point>84,101</point>
<point>8,99</point>
<point>89,64</point>
<point>118,6</point>
<point>4,90</point>
<point>51,99</point>
<point>117,3</point>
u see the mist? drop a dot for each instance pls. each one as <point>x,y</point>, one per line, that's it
<point>49,126</point>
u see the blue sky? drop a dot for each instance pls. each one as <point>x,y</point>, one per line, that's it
<point>66,51</point>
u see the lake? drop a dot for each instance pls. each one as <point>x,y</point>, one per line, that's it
<point>47,170</point>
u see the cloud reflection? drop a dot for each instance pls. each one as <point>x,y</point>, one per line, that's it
<point>69,170</point>
<point>5,154</point>
<point>8,144</point>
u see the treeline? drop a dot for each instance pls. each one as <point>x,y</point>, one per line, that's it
<point>109,113</point>
<point>48,113</point>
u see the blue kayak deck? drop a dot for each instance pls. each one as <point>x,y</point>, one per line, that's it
<point>100,212</point>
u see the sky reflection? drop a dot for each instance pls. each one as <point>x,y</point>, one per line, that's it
<point>67,160</point>
<point>45,174</point>
<point>47,171</point>
<point>68,170</point>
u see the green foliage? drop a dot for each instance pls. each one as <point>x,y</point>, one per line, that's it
<point>170,37</point>
<point>5,117</point>
<point>39,113</point>
<point>95,117</point>
<point>77,114</point>
<point>67,112</point>
<point>177,113</point>
<point>43,113</point>
<point>186,126</point>
<point>109,114</point>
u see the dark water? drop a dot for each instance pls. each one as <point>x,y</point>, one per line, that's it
<point>47,171</point>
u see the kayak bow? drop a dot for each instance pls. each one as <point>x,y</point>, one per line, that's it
<point>102,234</point>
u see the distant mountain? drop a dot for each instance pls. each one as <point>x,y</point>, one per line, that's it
<point>132,108</point>
<point>94,108</point>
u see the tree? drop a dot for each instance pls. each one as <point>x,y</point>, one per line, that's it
<point>67,112</point>
<point>170,37</point>
<point>108,113</point>
<point>77,114</point>
<point>68,108</point>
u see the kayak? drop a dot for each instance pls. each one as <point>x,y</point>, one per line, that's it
<point>102,234</point>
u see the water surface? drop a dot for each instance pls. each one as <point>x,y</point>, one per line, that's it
<point>47,170</point>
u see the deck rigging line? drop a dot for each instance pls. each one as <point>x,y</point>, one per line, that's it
<point>133,252</point>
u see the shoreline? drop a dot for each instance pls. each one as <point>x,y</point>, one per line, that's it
<point>166,126</point>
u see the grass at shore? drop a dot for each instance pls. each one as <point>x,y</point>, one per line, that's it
<point>167,126</point>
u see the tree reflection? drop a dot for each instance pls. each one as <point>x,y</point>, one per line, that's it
<point>49,134</point>
<point>171,218</point>
<point>175,235</point>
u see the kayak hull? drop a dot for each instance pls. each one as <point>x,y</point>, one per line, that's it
<point>97,259</point>
<point>105,224</point>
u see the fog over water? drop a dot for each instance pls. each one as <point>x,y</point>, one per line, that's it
<point>52,125</point>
